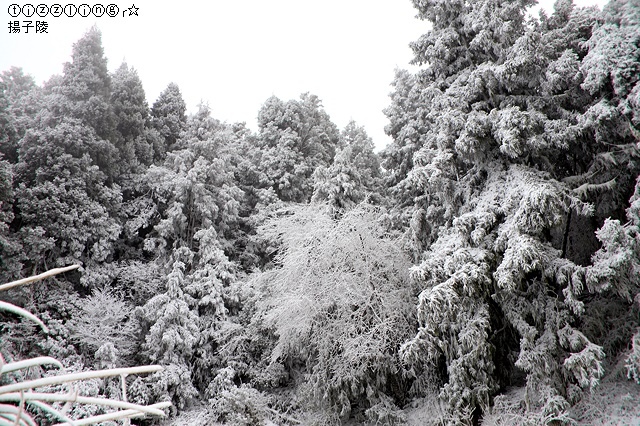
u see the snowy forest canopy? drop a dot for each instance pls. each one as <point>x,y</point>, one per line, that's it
<point>292,275</point>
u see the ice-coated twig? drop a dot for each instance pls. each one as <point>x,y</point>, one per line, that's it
<point>32,362</point>
<point>64,378</point>
<point>53,397</point>
<point>39,277</point>
<point>124,414</point>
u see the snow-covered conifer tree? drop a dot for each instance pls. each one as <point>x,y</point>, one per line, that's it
<point>502,137</point>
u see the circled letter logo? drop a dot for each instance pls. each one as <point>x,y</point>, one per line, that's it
<point>42,10</point>
<point>14,10</point>
<point>56,10</point>
<point>84,10</point>
<point>98,10</point>
<point>112,10</point>
<point>70,10</point>
<point>28,10</point>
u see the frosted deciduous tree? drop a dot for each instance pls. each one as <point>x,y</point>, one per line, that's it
<point>105,321</point>
<point>340,305</point>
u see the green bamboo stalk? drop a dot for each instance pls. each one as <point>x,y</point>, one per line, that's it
<point>123,384</point>
<point>21,409</point>
<point>64,378</point>
<point>15,419</point>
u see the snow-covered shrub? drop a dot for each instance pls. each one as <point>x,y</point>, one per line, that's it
<point>385,412</point>
<point>174,384</point>
<point>238,405</point>
<point>104,318</point>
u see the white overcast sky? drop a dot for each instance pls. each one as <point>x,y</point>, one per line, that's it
<point>234,54</point>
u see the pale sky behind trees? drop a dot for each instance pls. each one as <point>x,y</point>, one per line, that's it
<point>235,54</point>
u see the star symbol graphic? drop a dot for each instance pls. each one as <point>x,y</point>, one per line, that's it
<point>133,10</point>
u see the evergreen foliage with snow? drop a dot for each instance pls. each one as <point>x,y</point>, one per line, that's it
<point>495,198</point>
<point>484,266</point>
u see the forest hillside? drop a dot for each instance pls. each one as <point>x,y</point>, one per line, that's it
<point>484,268</point>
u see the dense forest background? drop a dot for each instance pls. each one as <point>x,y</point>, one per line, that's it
<point>484,267</point>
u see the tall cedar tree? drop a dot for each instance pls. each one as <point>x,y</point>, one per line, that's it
<point>86,88</point>
<point>193,210</point>
<point>168,116</point>
<point>494,192</point>
<point>67,204</point>
<point>295,137</point>
<point>131,112</point>
<point>17,94</point>
<point>612,75</point>
<point>10,247</point>
<point>354,175</point>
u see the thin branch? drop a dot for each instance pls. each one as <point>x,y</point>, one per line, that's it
<point>56,380</point>
<point>285,417</point>
<point>39,277</point>
<point>565,238</point>
<point>585,188</point>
